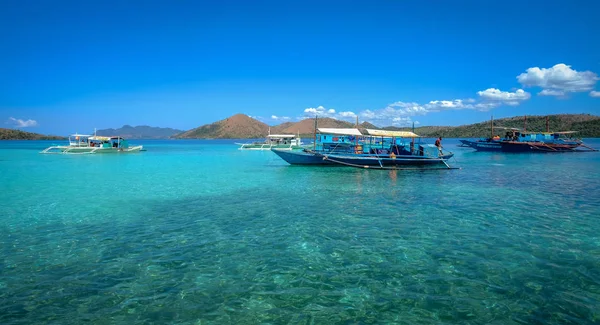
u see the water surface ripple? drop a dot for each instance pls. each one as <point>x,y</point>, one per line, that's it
<point>197,232</point>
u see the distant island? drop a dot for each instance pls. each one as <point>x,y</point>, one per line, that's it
<point>140,132</point>
<point>586,125</point>
<point>241,126</point>
<point>10,134</point>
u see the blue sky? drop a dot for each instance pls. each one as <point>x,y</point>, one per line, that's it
<point>69,66</point>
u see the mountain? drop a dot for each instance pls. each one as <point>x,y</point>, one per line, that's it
<point>239,126</point>
<point>306,127</point>
<point>10,134</point>
<point>243,126</point>
<point>140,132</point>
<point>586,125</point>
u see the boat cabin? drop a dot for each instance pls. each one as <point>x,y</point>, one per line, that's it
<point>283,139</point>
<point>108,142</point>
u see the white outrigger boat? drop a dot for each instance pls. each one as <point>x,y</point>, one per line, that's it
<point>275,141</point>
<point>88,144</point>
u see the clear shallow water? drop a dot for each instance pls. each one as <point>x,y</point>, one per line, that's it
<point>198,232</point>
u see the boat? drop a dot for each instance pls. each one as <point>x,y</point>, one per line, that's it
<point>275,141</point>
<point>523,141</point>
<point>377,149</point>
<point>92,144</point>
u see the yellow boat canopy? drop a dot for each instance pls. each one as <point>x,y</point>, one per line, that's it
<point>397,134</point>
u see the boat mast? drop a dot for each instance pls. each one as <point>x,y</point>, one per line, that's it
<point>525,124</point>
<point>315,140</point>
<point>356,139</point>
<point>547,125</point>
<point>413,139</point>
<point>492,127</point>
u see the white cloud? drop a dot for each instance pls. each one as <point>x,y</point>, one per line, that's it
<point>274,117</point>
<point>551,92</point>
<point>347,114</point>
<point>558,80</point>
<point>594,93</point>
<point>399,113</point>
<point>21,123</point>
<point>319,111</point>
<point>505,97</point>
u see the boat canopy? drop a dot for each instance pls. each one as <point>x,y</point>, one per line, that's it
<point>99,138</point>
<point>340,131</point>
<point>281,136</point>
<point>565,132</point>
<point>386,133</point>
<point>80,135</point>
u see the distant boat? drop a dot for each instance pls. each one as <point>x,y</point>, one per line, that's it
<point>275,141</point>
<point>88,144</point>
<point>522,141</point>
<point>378,149</point>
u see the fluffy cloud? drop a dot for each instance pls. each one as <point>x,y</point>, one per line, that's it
<point>319,111</point>
<point>279,118</point>
<point>504,97</point>
<point>558,80</point>
<point>347,114</point>
<point>396,114</point>
<point>400,113</point>
<point>21,123</point>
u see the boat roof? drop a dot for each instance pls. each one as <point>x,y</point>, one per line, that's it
<point>100,138</point>
<point>386,133</point>
<point>80,135</point>
<point>281,135</point>
<point>340,131</point>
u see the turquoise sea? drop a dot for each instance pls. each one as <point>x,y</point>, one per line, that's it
<point>198,232</point>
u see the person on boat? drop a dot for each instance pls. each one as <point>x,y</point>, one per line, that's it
<point>438,144</point>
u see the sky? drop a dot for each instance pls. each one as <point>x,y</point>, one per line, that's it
<point>68,66</point>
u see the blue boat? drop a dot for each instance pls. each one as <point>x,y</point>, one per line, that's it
<point>483,144</point>
<point>378,149</point>
<point>516,141</point>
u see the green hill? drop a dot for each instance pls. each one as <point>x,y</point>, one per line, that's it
<point>11,134</point>
<point>586,125</point>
